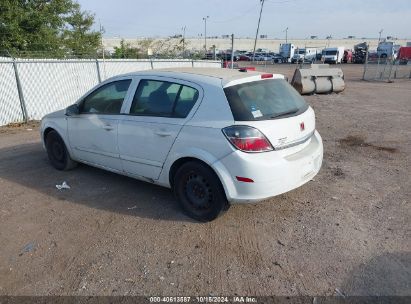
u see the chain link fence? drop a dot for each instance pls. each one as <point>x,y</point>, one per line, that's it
<point>10,106</point>
<point>386,69</point>
<point>32,88</point>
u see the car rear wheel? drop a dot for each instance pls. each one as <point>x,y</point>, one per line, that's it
<point>57,152</point>
<point>199,191</point>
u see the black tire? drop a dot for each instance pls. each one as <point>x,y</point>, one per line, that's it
<point>199,191</point>
<point>57,152</point>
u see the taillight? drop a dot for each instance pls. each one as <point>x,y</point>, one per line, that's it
<point>247,139</point>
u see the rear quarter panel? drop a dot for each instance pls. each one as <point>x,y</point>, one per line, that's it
<point>202,137</point>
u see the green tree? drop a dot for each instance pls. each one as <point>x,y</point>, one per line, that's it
<point>78,38</point>
<point>125,50</point>
<point>46,28</point>
<point>140,51</point>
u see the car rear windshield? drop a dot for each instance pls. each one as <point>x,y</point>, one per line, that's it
<point>264,99</point>
<point>330,52</point>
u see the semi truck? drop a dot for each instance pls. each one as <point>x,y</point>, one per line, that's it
<point>360,52</point>
<point>387,49</point>
<point>287,51</point>
<point>333,55</point>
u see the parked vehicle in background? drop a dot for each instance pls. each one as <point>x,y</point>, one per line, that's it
<point>210,56</point>
<point>387,49</point>
<point>257,57</point>
<point>304,55</point>
<point>214,136</point>
<point>287,51</point>
<point>227,56</point>
<point>319,55</point>
<point>266,51</point>
<point>373,56</point>
<point>360,52</point>
<point>263,57</point>
<point>333,55</point>
<point>404,54</point>
<point>348,55</point>
<point>277,58</point>
<point>298,56</point>
<point>227,64</point>
<point>244,58</point>
<point>267,56</point>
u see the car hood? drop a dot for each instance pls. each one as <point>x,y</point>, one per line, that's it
<point>56,114</point>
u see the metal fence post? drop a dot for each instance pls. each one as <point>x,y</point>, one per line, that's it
<point>20,92</point>
<point>98,71</point>
<point>151,62</point>
<point>365,64</point>
<point>392,63</point>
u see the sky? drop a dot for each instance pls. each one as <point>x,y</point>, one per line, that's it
<point>338,18</point>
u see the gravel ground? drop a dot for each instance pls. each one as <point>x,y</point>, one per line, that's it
<point>347,231</point>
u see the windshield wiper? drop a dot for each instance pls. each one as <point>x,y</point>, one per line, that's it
<point>292,111</point>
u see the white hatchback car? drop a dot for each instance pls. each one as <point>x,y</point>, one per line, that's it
<point>215,136</point>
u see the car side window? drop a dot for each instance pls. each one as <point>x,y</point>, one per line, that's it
<point>107,99</point>
<point>163,98</point>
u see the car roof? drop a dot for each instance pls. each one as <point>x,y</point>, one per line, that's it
<point>214,76</point>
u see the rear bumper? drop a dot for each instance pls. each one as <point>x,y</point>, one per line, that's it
<point>273,173</point>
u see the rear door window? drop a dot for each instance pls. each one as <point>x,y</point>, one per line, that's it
<point>263,100</point>
<point>163,98</point>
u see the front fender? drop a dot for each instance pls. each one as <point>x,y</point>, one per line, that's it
<point>60,126</point>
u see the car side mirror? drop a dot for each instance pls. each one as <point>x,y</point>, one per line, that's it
<point>72,110</point>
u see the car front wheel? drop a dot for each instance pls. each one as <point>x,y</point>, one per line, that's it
<point>199,191</point>
<point>57,152</point>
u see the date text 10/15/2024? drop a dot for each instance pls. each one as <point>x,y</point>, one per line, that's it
<point>205,299</point>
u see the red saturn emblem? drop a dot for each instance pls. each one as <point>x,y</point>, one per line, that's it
<point>302,126</point>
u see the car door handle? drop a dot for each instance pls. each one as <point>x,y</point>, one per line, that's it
<point>108,127</point>
<point>163,133</point>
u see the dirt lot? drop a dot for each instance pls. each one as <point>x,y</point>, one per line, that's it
<point>348,229</point>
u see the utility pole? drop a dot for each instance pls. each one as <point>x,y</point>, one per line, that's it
<point>258,27</point>
<point>329,37</point>
<point>184,40</point>
<point>101,37</point>
<point>205,34</point>
<point>286,34</point>
<point>379,37</point>
<point>102,48</point>
<point>232,51</point>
